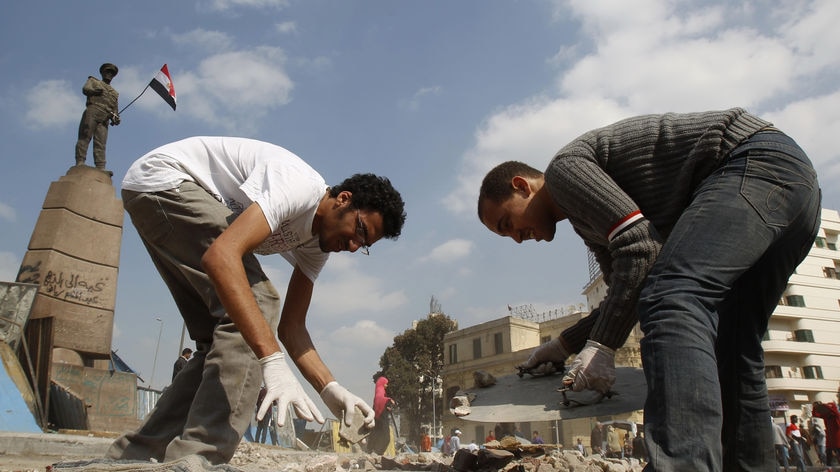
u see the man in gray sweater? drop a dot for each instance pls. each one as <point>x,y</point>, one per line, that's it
<point>697,221</point>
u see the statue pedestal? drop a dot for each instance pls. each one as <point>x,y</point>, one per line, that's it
<point>73,256</point>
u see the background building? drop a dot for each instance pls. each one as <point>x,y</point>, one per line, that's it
<point>802,346</point>
<point>802,343</point>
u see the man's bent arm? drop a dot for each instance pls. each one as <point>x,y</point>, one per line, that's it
<point>295,337</point>
<point>223,264</point>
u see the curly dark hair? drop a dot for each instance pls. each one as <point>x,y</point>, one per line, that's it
<point>496,186</point>
<point>374,193</point>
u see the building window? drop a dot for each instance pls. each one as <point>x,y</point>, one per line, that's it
<point>812,372</point>
<point>820,242</point>
<point>498,343</point>
<point>477,348</point>
<point>453,353</point>
<point>804,335</point>
<point>773,371</point>
<point>795,300</point>
<point>830,272</point>
<point>832,246</point>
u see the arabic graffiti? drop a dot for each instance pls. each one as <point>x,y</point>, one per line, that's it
<point>68,286</point>
<point>74,287</point>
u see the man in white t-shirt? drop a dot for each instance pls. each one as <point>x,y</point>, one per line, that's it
<point>203,207</point>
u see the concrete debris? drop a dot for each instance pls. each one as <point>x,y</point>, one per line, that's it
<point>483,379</point>
<point>506,455</point>
<point>460,404</point>
<point>191,463</point>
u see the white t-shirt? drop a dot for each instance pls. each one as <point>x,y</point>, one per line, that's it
<point>238,172</point>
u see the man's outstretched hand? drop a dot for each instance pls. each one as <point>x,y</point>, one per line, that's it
<point>593,369</point>
<point>283,387</point>
<point>551,351</point>
<point>339,400</point>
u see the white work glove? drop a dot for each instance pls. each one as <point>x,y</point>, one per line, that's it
<point>593,369</point>
<point>339,399</point>
<point>552,351</point>
<point>283,387</point>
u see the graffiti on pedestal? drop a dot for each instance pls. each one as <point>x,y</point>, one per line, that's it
<point>68,286</point>
<point>73,287</point>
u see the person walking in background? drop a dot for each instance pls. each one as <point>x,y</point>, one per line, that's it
<point>580,448</point>
<point>665,202</point>
<point>425,442</point>
<point>101,110</point>
<point>383,405</point>
<point>181,361</point>
<point>455,441</point>
<point>794,437</point>
<point>268,423</point>
<point>614,448</point>
<point>536,439</point>
<point>831,417</point>
<point>204,207</point>
<point>819,438</point>
<point>639,447</point>
<point>596,439</point>
<point>782,444</point>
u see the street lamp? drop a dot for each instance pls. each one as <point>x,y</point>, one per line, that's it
<point>154,364</point>
<point>434,424</point>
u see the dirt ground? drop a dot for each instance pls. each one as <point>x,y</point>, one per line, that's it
<point>252,457</point>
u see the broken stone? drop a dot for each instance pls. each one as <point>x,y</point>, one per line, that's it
<point>483,379</point>
<point>464,460</point>
<point>493,458</point>
<point>459,405</point>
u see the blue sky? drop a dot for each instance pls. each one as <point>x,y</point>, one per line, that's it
<point>430,94</point>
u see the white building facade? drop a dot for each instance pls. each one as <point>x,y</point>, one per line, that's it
<point>802,343</point>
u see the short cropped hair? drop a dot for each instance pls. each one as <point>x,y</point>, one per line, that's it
<point>496,186</point>
<point>374,193</point>
<point>186,351</point>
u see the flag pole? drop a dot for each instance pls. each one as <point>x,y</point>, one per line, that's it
<point>135,98</point>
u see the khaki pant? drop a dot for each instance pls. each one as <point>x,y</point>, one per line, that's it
<point>210,402</point>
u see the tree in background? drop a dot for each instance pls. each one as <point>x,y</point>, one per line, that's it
<point>412,365</point>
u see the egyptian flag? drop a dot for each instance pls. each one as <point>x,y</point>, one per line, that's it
<point>162,84</point>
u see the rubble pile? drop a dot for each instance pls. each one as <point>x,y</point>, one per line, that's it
<point>251,457</point>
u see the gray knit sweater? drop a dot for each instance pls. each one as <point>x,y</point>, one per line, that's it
<point>651,163</point>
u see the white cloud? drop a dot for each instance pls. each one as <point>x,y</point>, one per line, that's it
<point>654,60</point>
<point>450,251</point>
<point>814,123</point>
<point>413,104</point>
<point>224,5</point>
<point>204,40</point>
<point>235,90</point>
<point>365,332</point>
<point>814,36</point>
<point>286,27</point>
<point>341,289</point>
<point>53,103</point>
<point>7,213</point>
<point>9,266</point>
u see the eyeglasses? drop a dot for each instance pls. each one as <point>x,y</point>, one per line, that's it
<point>361,232</point>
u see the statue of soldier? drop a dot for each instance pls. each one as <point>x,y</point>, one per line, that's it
<point>101,109</point>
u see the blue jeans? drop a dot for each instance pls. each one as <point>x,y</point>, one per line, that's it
<point>798,456</point>
<point>783,455</point>
<point>706,303</point>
